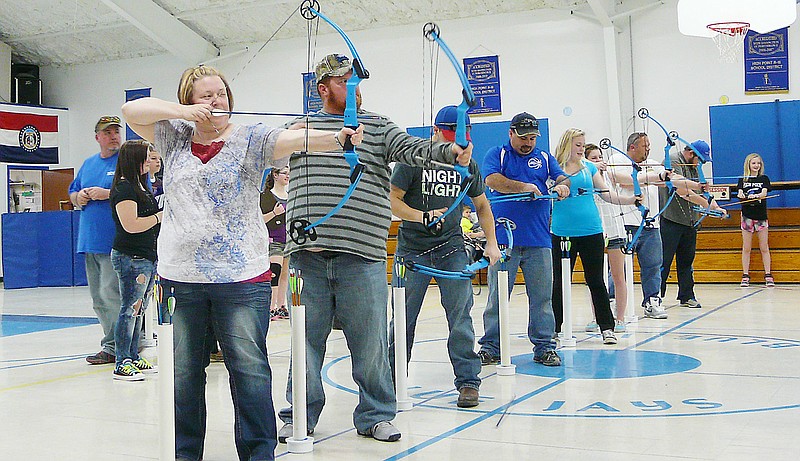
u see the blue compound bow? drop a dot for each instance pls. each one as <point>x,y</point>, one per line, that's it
<point>471,269</point>
<point>301,229</point>
<point>431,32</point>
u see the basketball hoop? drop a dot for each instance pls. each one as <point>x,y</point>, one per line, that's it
<point>729,38</point>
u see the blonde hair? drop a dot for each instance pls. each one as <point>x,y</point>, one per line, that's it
<point>747,171</point>
<point>191,75</point>
<point>564,147</point>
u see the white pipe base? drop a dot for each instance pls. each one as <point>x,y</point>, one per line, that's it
<point>506,370</point>
<point>304,445</point>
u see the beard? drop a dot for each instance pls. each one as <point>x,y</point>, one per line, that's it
<point>336,105</point>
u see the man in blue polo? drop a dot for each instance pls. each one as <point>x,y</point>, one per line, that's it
<point>518,167</point>
<point>89,193</point>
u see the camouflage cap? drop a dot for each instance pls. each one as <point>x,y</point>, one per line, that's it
<point>106,121</point>
<point>333,65</point>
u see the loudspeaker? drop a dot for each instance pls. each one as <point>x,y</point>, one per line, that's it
<point>24,71</point>
<point>26,91</point>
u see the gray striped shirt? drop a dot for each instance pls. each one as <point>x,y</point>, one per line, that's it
<point>318,182</point>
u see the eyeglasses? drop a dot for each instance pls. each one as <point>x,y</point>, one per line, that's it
<point>286,172</point>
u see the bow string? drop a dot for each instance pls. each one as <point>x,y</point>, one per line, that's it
<point>432,33</point>
<point>605,144</point>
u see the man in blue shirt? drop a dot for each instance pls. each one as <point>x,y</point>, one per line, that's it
<point>517,167</point>
<point>89,192</point>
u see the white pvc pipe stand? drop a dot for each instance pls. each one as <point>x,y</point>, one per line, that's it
<point>300,441</point>
<point>505,368</point>
<point>568,341</point>
<point>630,310</point>
<point>400,348</point>
<point>166,394</point>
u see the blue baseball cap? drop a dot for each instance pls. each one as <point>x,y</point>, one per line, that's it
<point>701,149</point>
<point>446,120</point>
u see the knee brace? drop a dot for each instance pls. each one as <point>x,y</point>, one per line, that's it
<point>275,268</point>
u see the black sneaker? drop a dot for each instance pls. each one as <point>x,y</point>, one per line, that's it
<point>487,358</point>
<point>126,371</point>
<point>548,358</point>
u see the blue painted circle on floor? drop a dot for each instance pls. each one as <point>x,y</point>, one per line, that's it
<point>607,364</point>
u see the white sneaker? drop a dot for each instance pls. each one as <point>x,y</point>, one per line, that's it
<point>591,327</point>
<point>608,337</point>
<point>653,309</point>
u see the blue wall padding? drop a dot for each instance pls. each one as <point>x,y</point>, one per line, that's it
<point>769,129</point>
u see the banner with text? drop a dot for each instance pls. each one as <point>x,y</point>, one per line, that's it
<point>766,62</point>
<point>312,102</point>
<point>483,74</point>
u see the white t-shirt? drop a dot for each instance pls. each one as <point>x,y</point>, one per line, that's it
<point>622,168</point>
<point>213,230</point>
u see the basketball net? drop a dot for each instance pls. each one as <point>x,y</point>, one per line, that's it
<point>729,38</point>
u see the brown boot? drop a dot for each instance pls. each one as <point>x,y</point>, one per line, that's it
<point>467,397</point>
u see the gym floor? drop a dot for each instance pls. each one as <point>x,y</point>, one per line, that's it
<point>716,383</point>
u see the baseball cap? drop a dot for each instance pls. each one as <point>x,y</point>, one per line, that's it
<point>106,121</point>
<point>332,65</point>
<point>702,150</point>
<point>525,124</point>
<point>447,119</point>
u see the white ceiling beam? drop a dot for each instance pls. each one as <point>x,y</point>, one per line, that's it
<point>600,13</point>
<point>165,29</point>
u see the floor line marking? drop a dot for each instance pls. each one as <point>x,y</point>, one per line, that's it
<point>105,369</point>
<point>497,411</point>
<point>692,320</point>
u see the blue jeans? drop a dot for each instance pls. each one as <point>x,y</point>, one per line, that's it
<point>136,277</point>
<point>456,298</point>
<point>355,290</point>
<point>537,270</point>
<point>104,289</point>
<point>648,251</point>
<point>237,314</point>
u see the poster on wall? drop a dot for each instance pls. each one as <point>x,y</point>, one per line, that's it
<point>312,102</point>
<point>28,138</point>
<point>766,62</point>
<point>130,95</point>
<point>483,74</point>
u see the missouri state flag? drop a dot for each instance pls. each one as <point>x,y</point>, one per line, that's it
<point>28,138</point>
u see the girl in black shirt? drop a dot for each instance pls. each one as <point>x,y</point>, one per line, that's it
<point>754,187</point>
<point>133,254</point>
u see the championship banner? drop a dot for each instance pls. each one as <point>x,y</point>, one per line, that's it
<point>28,138</point>
<point>312,101</point>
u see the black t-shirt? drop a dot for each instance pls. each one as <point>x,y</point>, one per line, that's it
<point>142,244</point>
<point>430,189</point>
<point>752,185</point>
